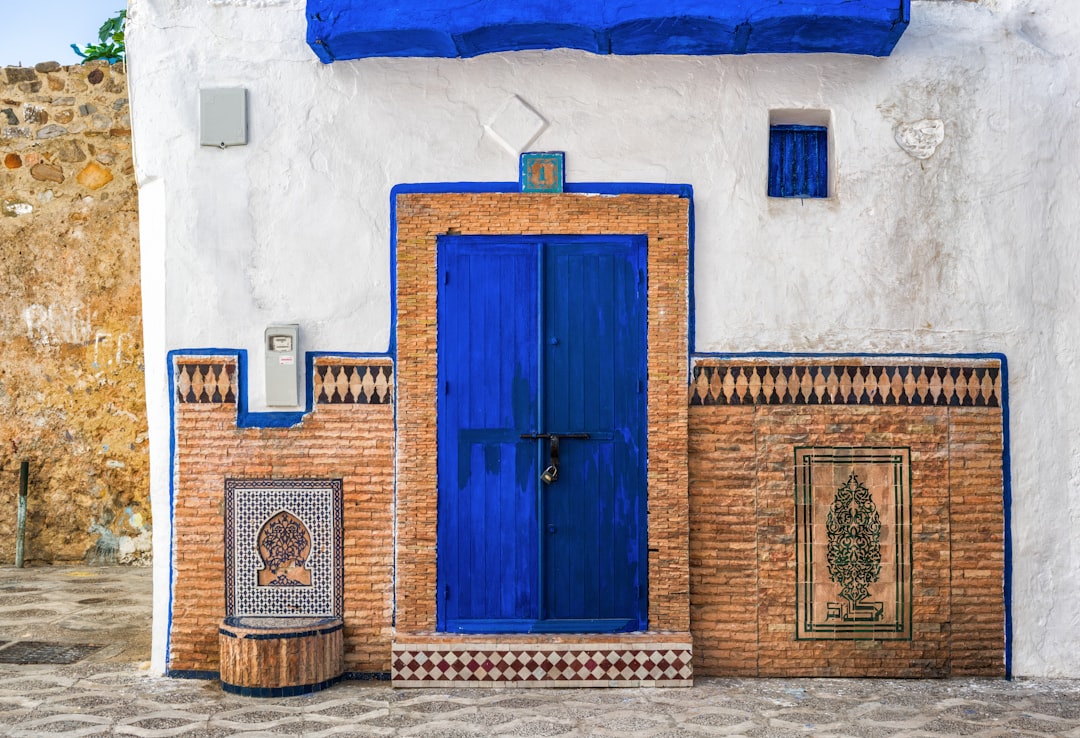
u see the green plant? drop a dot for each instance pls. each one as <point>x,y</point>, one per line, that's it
<point>111,36</point>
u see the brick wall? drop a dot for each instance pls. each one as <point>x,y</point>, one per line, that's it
<point>723,486</point>
<point>348,436</point>
<point>743,519</point>
<point>421,218</point>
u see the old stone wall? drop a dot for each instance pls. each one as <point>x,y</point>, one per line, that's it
<point>72,400</point>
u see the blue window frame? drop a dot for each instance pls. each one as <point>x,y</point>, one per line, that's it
<point>798,161</point>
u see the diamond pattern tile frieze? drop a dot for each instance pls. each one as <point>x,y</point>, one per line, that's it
<point>732,382</point>
<point>206,382</point>
<point>357,384</point>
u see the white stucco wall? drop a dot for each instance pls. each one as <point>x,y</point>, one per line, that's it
<point>973,249</point>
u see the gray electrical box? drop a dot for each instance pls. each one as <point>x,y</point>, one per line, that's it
<point>282,365</point>
<point>223,117</point>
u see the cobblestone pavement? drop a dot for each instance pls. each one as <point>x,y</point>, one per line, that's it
<point>110,693</point>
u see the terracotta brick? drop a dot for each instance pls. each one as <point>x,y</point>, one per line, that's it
<point>210,448</point>
<point>665,219</point>
<point>742,521</point>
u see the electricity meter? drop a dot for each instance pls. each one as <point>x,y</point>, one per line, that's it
<point>282,365</point>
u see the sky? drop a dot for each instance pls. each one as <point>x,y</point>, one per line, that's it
<point>35,31</point>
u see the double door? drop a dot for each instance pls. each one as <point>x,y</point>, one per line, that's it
<point>541,434</point>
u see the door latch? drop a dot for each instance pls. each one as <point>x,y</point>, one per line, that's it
<point>551,473</point>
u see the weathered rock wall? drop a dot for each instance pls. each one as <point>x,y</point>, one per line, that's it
<point>72,399</point>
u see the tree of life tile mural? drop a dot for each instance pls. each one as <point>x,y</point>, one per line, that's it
<point>853,543</point>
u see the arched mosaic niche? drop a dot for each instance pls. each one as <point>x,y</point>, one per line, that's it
<point>283,547</point>
<point>284,544</point>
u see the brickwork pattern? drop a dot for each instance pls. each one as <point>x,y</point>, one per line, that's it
<point>743,533</point>
<point>978,542</point>
<point>351,442</point>
<point>420,219</point>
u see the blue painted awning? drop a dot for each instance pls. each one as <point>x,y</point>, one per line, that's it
<point>355,29</point>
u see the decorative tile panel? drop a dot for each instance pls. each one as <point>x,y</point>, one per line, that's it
<point>359,384</point>
<point>206,382</point>
<point>542,171</point>
<point>853,543</point>
<point>742,382</point>
<point>283,547</point>
<point>543,665</point>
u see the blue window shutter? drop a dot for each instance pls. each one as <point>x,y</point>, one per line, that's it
<point>798,161</point>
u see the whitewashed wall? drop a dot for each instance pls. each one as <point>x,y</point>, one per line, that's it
<point>971,249</point>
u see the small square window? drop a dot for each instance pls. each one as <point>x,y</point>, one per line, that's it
<point>798,161</point>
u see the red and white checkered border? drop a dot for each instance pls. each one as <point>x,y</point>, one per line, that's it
<point>543,665</point>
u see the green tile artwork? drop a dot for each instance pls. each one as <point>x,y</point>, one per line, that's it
<point>853,543</point>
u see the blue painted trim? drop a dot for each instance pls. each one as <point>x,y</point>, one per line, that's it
<point>366,676</point>
<point>582,625</point>
<point>170,369</point>
<point>588,188</point>
<point>1006,455</point>
<point>280,636</point>
<point>273,419</point>
<point>577,188</point>
<point>691,279</point>
<point>293,691</point>
<point>594,188</point>
<point>354,676</point>
<point>191,674</point>
<point>244,419</point>
<point>838,354</point>
<point>1006,473</point>
<point>350,29</point>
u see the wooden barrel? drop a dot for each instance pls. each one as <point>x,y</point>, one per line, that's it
<point>280,657</point>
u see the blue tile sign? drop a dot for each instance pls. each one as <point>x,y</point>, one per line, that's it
<point>355,29</point>
<point>542,171</point>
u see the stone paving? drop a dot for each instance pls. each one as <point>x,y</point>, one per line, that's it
<point>110,692</point>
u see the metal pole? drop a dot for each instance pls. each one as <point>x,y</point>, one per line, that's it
<point>20,533</point>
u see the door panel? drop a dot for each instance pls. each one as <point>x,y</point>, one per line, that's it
<point>541,337</point>
<point>488,523</point>
<point>593,383</point>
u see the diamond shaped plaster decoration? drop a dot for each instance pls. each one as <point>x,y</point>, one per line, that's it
<point>515,125</point>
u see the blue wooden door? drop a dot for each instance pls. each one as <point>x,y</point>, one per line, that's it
<point>540,338</point>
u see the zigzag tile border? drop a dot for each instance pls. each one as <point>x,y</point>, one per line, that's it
<point>206,382</point>
<point>337,382</point>
<point>543,665</point>
<point>845,382</point>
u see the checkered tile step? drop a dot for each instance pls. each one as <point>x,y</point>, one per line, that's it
<point>740,382</point>
<point>543,665</point>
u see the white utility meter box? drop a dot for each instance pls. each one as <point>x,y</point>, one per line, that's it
<point>223,117</point>
<point>282,365</point>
